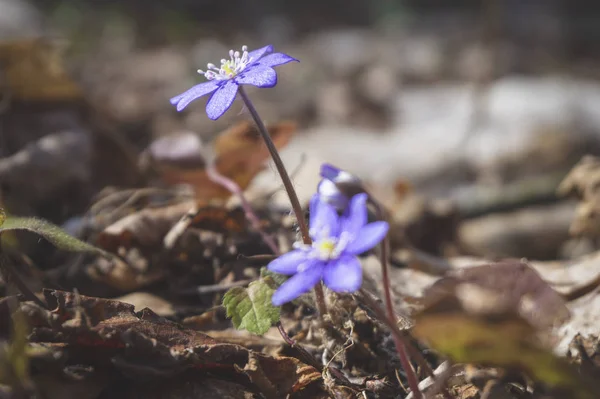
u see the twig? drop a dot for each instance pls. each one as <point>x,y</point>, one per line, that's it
<point>234,188</point>
<point>435,386</point>
<point>210,289</point>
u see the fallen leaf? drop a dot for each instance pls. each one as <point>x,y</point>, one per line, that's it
<point>278,377</point>
<point>240,154</point>
<point>503,342</point>
<point>220,219</point>
<point>144,228</point>
<point>141,300</point>
<point>510,286</point>
<point>478,318</point>
<point>109,335</point>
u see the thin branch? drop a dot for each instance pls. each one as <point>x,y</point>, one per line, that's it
<point>234,188</point>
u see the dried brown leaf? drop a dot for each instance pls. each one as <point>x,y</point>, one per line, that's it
<point>279,376</point>
<point>239,155</point>
<point>107,333</point>
<point>507,286</point>
<point>144,228</point>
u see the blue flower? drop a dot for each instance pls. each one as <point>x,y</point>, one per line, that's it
<point>338,186</point>
<point>332,256</point>
<point>248,68</point>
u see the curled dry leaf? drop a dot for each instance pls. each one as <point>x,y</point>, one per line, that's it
<point>145,228</point>
<point>239,155</point>
<point>148,227</point>
<point>109,335</point>
<point>261,370</point>
<point>507,286</point>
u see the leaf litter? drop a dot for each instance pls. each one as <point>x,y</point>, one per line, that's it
<point>184,265</point>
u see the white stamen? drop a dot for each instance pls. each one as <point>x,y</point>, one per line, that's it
<point>229,68</point>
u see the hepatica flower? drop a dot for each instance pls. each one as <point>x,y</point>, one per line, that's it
<point>245,68</point>
<point>337,240</point>
<point>338,186</point>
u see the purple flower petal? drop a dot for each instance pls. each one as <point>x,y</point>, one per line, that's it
<point>330,193</point>
<point>324,220</point>
<point>259,76</point>
<point>329,171</point>
<point>275,59</point>
<point>255,55</point>
<point>298,284</point>
<point>356,214</point>
<point>288,263</point>
<point>367,237</point>
<point>344,274</point>
<point>195,92</point>
<point>221,100</point>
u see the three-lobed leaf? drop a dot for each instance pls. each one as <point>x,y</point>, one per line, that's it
<point>251,308</point>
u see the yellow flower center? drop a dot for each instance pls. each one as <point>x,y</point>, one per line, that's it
<point>228,68</point>
<point>326,248</point>
<point>231,67</point>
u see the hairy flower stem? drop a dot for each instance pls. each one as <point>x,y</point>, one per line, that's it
<point>289,189</point>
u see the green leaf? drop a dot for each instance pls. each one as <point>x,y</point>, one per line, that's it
<point>2,216</point>
<point>277,278</point>
<point>251,308</point>
<point>54,234</point>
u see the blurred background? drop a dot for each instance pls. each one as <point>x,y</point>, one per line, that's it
<point>464,116</point>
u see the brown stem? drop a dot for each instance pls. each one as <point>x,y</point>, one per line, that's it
<point>320,299</point>
<point>399,341</point>
<point>389,305</point>
<point>289,188</point>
